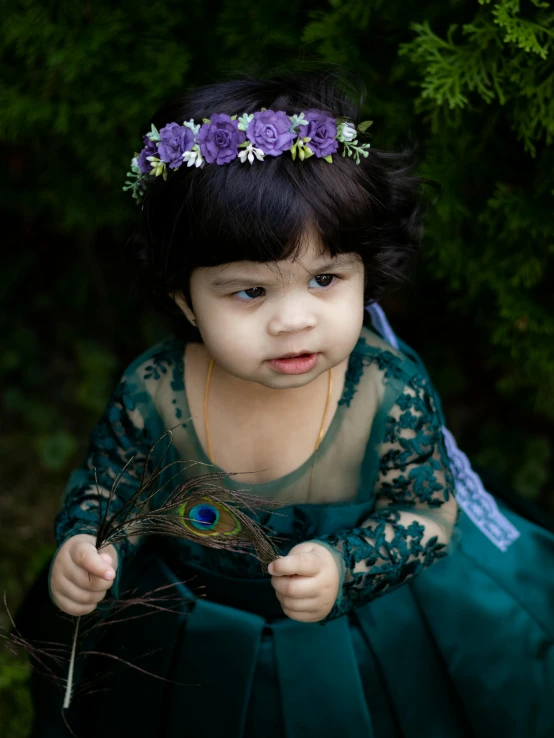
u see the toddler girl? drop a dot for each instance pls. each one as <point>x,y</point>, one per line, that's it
<point>267,225</point>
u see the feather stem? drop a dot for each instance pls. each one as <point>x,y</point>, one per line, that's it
<point>69,685</point>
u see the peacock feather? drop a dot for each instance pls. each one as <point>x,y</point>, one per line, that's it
<point>198,509</point>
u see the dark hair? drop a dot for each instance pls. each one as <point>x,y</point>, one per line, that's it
<point>217,214</point>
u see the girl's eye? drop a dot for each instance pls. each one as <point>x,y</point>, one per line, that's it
<point>324,280</point>
<point>321,280</point>
<point>250,294</point>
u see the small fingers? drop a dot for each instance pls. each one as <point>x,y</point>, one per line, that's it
<point>307,605</point>
<point>72,608</point>
<point>304,617</point>
<point>90,560</point>
<point>304,611</point>
<point>109,555</point>
<point>77,595</point>
<point>304,564</point>
<point>298,587</point>
<point>85,580</point>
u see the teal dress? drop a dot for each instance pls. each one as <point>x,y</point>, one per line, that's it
<point>443,628</point>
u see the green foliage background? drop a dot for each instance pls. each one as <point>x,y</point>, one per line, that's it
<point>472,81</point>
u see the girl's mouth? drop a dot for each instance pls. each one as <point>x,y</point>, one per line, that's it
<point>298,364</point>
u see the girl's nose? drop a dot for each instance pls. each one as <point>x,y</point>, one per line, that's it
<point>291,317</point>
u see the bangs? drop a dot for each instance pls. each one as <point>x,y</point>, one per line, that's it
<point>263,212</point>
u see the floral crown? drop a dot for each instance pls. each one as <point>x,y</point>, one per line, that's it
<point>222,138</point>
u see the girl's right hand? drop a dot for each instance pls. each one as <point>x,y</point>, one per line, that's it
<point>81,575</point>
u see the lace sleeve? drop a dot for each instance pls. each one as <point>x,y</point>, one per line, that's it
<point>118,437</point>
<point>415,509</point>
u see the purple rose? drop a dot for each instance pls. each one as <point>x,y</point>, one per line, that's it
<point>150,149</point>
<point>175,139</point>
<point>322,130</point>
<point>270,132</point>
<point>219,139</point>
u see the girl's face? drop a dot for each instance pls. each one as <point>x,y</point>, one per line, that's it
<point>250,315</point>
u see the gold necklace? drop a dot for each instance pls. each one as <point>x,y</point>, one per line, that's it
<point>207,422</point>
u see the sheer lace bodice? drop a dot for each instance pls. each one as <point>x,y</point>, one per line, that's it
<point>384,447</point>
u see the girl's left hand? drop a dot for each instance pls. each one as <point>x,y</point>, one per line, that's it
<point>306,582</point>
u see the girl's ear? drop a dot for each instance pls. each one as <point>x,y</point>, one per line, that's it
<point>180,300</point>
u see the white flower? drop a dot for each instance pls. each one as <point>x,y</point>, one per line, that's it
<point>251,151</point>
<point>193,157</point>
<point>158,166</point>
<point>347,132</point>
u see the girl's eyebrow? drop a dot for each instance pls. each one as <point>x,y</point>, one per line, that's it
<point>343,261</point>
<point>226,283</point>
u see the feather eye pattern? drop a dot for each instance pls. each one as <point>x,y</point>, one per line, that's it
<point>215,517</point>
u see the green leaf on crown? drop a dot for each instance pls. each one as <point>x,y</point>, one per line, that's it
<point>362,127</point>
